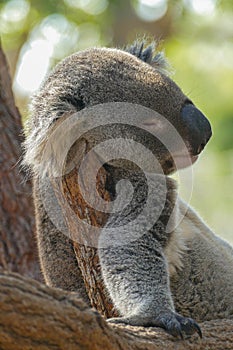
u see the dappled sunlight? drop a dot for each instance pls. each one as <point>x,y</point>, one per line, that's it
<point>13,15</point>
<point>92,7</point>
<point>32,67</point>
<point>150,10</point>
<point>201,7</point>
<point>54,38</point>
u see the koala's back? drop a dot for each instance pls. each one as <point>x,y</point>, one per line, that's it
<point>203,287</point>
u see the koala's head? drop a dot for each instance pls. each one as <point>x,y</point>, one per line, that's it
<point>137,76</point>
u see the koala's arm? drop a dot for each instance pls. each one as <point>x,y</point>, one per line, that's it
<point>57,257</point>
<point>137,278</point>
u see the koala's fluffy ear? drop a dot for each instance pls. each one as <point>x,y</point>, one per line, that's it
<point>53,151</point>
<point>149,54</point>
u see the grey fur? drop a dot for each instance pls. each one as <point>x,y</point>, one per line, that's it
<point>160,274</point>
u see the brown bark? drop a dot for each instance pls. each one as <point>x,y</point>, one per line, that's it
<point>17,244</point>
<point>34,316</point>
<point>68,190</point>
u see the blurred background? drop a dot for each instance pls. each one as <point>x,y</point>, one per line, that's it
<point>197,37</point>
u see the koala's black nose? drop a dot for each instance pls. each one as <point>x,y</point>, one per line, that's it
<point>197,128</point>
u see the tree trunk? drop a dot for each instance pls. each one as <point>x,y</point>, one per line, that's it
<point>36,317</point>
<point>17,243</point>
<point>68,191</point>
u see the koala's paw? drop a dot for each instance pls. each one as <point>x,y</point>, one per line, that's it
<point>178,325</point>
<point>172,323</point>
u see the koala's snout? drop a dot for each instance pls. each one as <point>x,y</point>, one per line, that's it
<point>197,128</point>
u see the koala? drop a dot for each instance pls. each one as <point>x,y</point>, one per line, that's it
<point>164,279</point>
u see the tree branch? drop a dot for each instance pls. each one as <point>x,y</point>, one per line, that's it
<point>36,317</point>
<point>17,243</point>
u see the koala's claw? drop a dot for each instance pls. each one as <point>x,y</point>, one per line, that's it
<point>172,323</point>
<point>188,325</point>
<point>178,325</point>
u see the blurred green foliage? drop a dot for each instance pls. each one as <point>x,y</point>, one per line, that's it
<point>198,40</point>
